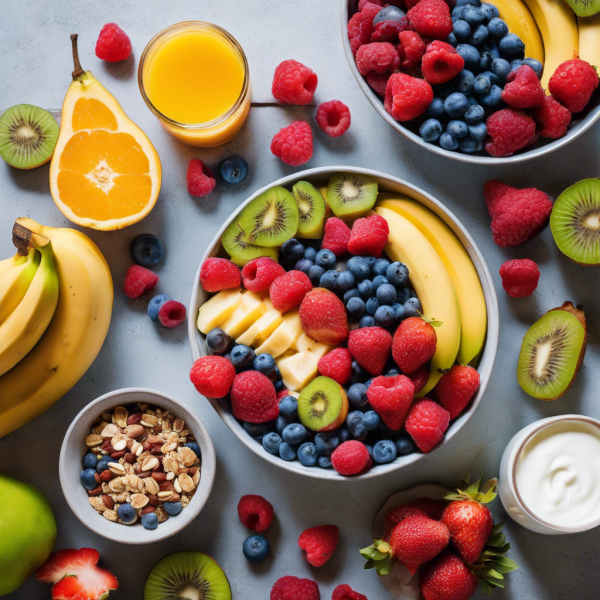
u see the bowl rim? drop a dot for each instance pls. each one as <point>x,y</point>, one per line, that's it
<point>488,353</point>
<point>586,123</point>
<point>69,477</point>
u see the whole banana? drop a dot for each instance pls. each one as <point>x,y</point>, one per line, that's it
<point>589,39</point>
<point>13,261</point>
<point>15,282</point>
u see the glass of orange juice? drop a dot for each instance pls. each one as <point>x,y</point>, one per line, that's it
<point>194,77</point>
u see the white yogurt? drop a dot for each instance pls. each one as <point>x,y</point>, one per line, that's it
<point>558,473</point>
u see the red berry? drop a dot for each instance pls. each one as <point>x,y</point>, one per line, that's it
<point>212,376</point>
<point>519,277</point>
<point>333,118</point>
<point>200,180</point>
<point>414,344</point>
<point>350,458</point>
<point>370,347</point>
<point>282,393</point>
<point>434,508</point>
<point>422,506</point>
<point>381,57</point>
<point>363,3</point>
<point>336,236</point>
<point>523,88</point>
<point>293,588</point>
<point>378,82</point>
<point>113,44</point>
<point>324,317</point>
<point>419,378</point>
<point>218,274</point>
<point>510,130</point>
<point>319,543</point>
<point>447,578</point>
<point>171,313</point>
<point>441,63</point>
<point>388,31</point>
<point>253,398</point>
<point>390,398</point>
<point>573,84</point>
<point>260,273</point>
<point>431,18</point>
<point>493,191</point>
<point>456,388</point>
<point>287,291</point>
<point>337,365</point>
<point>411,49</point>
<point>255,513</point>
<point>407,97</point>
<point>369,236</point>
<point>553,118</point>
<point>360,26</point>
<point>397,515</point>
<point>294,144</point>
<point>293,83</point>
<point>138,280</point>
<point>426,423</point>
<point>345,592</point>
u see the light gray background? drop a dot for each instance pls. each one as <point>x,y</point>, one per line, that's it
<point>36,67</point>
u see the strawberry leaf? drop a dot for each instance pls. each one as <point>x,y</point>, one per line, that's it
<point>379,557</point>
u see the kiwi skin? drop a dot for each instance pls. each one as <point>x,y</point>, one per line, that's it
<point>354,207</point>
<point>327,386</point>
<point>311,221</point>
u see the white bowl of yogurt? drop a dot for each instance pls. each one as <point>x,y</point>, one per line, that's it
<point>550,475</point>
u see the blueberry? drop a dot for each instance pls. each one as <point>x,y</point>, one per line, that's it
<point>358,372</point>
<point>147,250</point>
<point>379,280</point>
<point>470,55</point>
<point>343,434</point>
<point>366,288</point>
<point>355,308</point>
<point>103,464</point>
<point>405,444</point>
<point>370,260</point>
<point>511,46</point>
<point>353,420</point>
<point>307,454</point>
<point>491,11</point>
<point>386,294</point>
<point>315,273</point>
<point>430,130</point>
<point>371,420</point>
<point>357,395</point>
<point>384,451</point>
<point>459,129</point>
<point>473,15</point>
<point>233,169</point>
<point>493,98</point>
<point>394,372</point>
<point>470,145</point>
<point>258,430</point>
<point>380,266</point>
<point>468,2</point>
<point>399,313</point>
<point>324,462</point>
<point>389,13</point>
<point>367,321</point>
<point>536,65</point>
<point>457,12</point>
<point>485,62</point>
<point>436,109</point>
<point>326,443</point>
<point>404,294</point>
<point>472,101</point>
<point>303,265</point>
<point>462,30</point>
<point>155,305</point>
<point>329,280</point>
<point>292,249</point>
<point>385,316</point>
<point>412,308</point>
<point>372,305</point>
<point>353,293</point>
<point>90,461</point>
<point>346,281</point>
<point>256,548</point>
<point>217,340</point>
<point>242,357</point>
<point>482,84</point>
<point>287,452</point>
<point>491,46</point>
<point>264,363</point>
<point>497,28</point>
<point>368,383</point>
<point>280,424</point>
<point>359,268</point>
<point>326,259</point>
<point>448,141</point>
<point>88,479</point>
<point>479,37</point>
<point>288,407</point>
<point>444,90</point>
<point>128,514</point>
<point>501,68</point>
<point>478,131</point>
<point>150,520</point>
<point>456,105</point>
<point>516,64</point>
<point>271,442</point>
<point>279,386</point>
<point>294,433</point>
<point>173,508</point>
<point>193,446</point>
<point>466,81</point>
<point>310,254</point>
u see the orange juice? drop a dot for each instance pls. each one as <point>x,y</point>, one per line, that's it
<point>194,77</point>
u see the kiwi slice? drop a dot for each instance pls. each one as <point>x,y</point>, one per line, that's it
<point>322,405</point>
<point>584,8</point>
<point>552,352</point>
<point>271,218</point>
<point>187,576</point>
<point>351,195</point>
<point>575,222</point>
<point>236,243</point>
<point>311,210</point>
<point>28,136</point>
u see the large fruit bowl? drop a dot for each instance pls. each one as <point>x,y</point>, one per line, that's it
<point>580,123</point>
<point>487,356</point>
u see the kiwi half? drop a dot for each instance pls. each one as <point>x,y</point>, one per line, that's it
<point>351,195</point>
<point>187,576</point>
<point>236,243</point>
<point>575,222</point>
<point>584,8</point>
<point>28,136</point>
<point>311,210</point>
<point>322,405</point>
<point>552,352</point>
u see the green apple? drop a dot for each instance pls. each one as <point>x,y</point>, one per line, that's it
<point>27,531</point>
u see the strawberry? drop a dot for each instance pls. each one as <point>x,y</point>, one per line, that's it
<point>369,236</point>
<point>447,578</point>
<point>419,378</point>
<point>426,506</point>
<point>414,344</point>
<point>319,543</point>
<point>397,515</point>
<point>337,365</point>
<point>323,316</point>
<point>336,236</point>
<point>390,398</point>
<point>370,347</point>
<point>345,592</point>
<point>426,423</point>
<point>456,388</point>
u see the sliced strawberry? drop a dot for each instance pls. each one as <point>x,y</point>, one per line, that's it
<point>66,562</point>
<point>76,588</point>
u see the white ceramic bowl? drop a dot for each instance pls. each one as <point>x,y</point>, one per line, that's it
<point>73,450</point>
<point>579,125</point>
<point>386,183</point>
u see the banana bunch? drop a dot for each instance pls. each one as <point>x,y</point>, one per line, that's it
<point>589,39</point>
<point>65,312</point>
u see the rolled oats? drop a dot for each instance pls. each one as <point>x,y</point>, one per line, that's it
<point>139,500</point>
<point>120,416</point>
<point>93,440</point>
<point>111,515</point>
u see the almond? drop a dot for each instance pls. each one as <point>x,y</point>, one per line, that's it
<point>93,440</point>
<point>135,432</point>
<point>135,418</point>
<point>108,502</point>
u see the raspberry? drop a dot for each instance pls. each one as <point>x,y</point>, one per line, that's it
<point>253,398</point>
<point>553,118</point>
<point>138,280</point>
<point>431,18</point>
<point>414,344</point>
<point>523,88</point>
<point>336,236</point>
<point>293,588</point>
<point>520,215</point>
<point>294,144</point>
<point>519,277</point>
<point>259,274</point>
<point>345,592</point>
<point>171,314</point>
<point>388,31</point>
<point>407,97</point>
<point>426,423</point>
<point>288,291</point>
<point>219,274</point>
<point>360,26</point>
<point>319,543</point>
<point>363,3</point>
<point>511,130</point>
<point>378,82</point>
<point>333,118</point>
<point>200,180</point>
<point>282,393</point>
<point>293,83</point>
<point>212,376</point>
<point>381,57</point>
<point>370,347</point>
<point>391,398</point>
<point>337,365</point>
<point>350,458</point>
<point>255,513</point>
<point>441,63</point>
<point>369,236</point>
<point>113,44</point>
<point>323,317</point>
<point>419,378</point>
<point>456,388</point>
<point>411,49</point>
<point>493,191</point>
<point>573,84</point>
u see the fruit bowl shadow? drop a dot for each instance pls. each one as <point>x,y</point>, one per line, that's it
<point>488,356</point>
<point>579,125</point>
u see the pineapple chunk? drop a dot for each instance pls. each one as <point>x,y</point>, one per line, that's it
<point>245,315</point>
<point>320,350</point>
<point>268,323</point>
<point>278,342</point>
<point>292,320</point>
<point>267,300</point>
<point>303,343</point>
<point>214,311</point>
<point>298,370</point>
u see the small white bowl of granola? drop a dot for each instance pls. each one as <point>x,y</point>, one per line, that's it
<point>136,466</point>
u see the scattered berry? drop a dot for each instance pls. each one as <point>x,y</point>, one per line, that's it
<point>147,250</point>
<point>519,277</point>
<point>293,83</point>
<point>345,592</point>
<point>523,89</point>
<point>431,18</point>
<point>155,305</point>
<point>333,118</point>
<point>381,57</point>
<point>426,423</point>
<point>319,543</point>
<point>323,317</point>
<point>441,63</point>
<point>212,376</point>
<point>337,365</point>
<point>218,274</point>
<point>113,44</point>
<point>171,313</point>
<point>573,84</point>
<point>294,588</point>
<point>410,49</point>
<point>447,578</point>
<point>414,344</point>
<point>510,130</point>
<point>493,191</point>
<point>287,291</point>
<point>256,548</point>
<point>407,97</point>
<point>138,280</point>
<point>255,513</point>
<point>369,236</point>
<point>260,273</point>
<point>370,347</point>
<point>350,458</point>
<point>253,398</point>
<point>200,180</point>
<point>552,117</point>
<point>233,169</point>
<point>294,144</point>
<point>391,398</point>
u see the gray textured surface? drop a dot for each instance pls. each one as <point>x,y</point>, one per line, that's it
<point>36,68</point>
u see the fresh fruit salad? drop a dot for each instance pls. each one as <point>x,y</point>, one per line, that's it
<point>334,327</point>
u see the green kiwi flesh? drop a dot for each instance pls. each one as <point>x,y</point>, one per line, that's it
<point>320,404</point>
<point>236,243</point>
<point>575,222</point>
<point>351,195</point>
<point>28,136</point>
<point>187,576</point>
<point>271,218</point>
<point>311,210</point>
<point>584,8</point>
<point>552,352</point>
